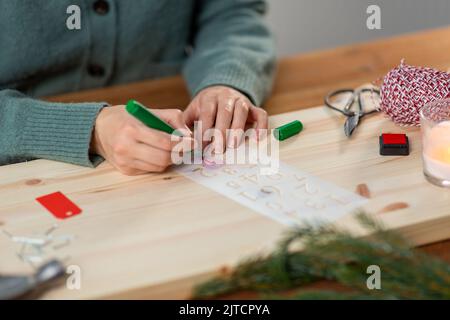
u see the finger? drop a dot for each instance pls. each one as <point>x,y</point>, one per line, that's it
<point>262,120</point>
<point>259,116</point>
<point>154,156</point>
<point>158,139</point>
<point>207,117</point>
<point>190,114</point>
<point>224,117</point>
<point>240,116</point>
<point>143,166</point>
<point>174,117</point>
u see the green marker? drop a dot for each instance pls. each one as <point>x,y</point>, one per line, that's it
<point>144,115</point>
<point>288,130</point>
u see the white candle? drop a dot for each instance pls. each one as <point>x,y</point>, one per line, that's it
<point>436,151</point>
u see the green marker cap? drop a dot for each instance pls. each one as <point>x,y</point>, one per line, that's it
<point>288,130</point>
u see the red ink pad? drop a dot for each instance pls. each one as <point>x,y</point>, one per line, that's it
<point>394,144</point>
<point>59,205</point>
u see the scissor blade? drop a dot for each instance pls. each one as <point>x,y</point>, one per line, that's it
<point>350,124</point>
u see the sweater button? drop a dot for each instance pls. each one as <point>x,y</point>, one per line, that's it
<point>101,7</point>
<point>96,70</point>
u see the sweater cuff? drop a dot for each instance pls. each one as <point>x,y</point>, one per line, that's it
<point>237,76</point>
<point>61,132</point>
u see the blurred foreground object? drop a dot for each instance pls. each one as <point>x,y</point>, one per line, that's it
<point>12,287</point>
<point>331,254</point>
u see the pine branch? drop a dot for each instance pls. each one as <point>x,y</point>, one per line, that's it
<point>335,255</point>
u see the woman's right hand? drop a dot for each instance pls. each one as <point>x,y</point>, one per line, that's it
<point>133,148</point>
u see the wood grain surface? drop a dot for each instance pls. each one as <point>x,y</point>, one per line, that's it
<point>154,236</point>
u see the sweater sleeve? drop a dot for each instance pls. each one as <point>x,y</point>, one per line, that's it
<point>32,129</point>
<point>232,47</point>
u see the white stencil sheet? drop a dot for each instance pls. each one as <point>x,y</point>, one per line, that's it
<point>290,196</point>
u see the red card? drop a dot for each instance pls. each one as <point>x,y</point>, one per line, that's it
<point>59,205</point>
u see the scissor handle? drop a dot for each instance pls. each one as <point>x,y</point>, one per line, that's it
<point>356,94</point>
<point>346,110</point>
<point>362,112</point>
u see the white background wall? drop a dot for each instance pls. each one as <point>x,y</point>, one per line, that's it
<point>306,25</point>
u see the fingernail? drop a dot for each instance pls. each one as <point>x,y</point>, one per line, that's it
<point>234,141</point>
<point>261,134</point>
<point>230,140</point>
<point>188,129</point>
<point>218,149</point>
<point>231,144</point>
<point>254,135</point>
<point>175,137</point>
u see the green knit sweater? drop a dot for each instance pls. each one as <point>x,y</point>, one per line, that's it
<point>211,42</point>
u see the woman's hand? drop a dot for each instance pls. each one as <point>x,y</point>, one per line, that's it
<point>133,148</point>
<point>224,108</point>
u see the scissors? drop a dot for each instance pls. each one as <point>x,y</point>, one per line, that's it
<point>16,286</point>
<point>353,117</point>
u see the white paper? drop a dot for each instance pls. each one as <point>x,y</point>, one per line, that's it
<point>290,197</point>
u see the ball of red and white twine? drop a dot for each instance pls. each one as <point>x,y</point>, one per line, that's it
<point>406,89</point>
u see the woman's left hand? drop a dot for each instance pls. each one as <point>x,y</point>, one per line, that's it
<point>224,108</point>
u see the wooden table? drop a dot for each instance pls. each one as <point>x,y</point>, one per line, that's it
<point>156,235</point>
